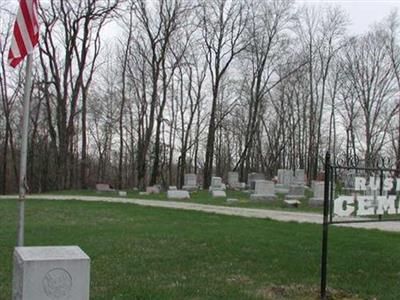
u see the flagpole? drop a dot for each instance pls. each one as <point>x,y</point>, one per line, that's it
<point>24,151</point>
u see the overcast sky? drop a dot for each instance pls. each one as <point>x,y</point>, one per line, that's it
<point>362,13</point>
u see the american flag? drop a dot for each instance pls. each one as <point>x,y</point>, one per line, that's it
<point>26,32</point>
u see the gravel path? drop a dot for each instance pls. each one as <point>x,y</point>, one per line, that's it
<point>279,215</point>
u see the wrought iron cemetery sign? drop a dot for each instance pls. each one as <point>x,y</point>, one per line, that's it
<point>357,193</point>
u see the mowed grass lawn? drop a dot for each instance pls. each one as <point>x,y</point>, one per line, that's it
<point>151,253</point>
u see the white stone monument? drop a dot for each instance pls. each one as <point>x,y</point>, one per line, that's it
<point>51,273</point>
<point>285,180</point>
<point>178,194</point>
<point>296,191</point>
<point>264,191</point>
<point>216,184</point>
<point>218,194</point>
<point>190,182</point>
<point>253,177</point>
<point>122,193</point>
<point>155,189</point>
<point>299,177</point>
<point>318,189</point>
<point>233,180</point>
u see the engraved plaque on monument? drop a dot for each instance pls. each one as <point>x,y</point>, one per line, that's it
<point>299,177</point>
<point>264,191</point>
<point>216,184</point>
<point>233,179</point>
<point>252,177</point>
<point>318,190</point>
<point>285,179</point>
<point>51,273</point>
<point>190,182</point>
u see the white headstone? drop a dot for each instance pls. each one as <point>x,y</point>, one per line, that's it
<point>190,182</point>
<point>233,179</point>
<point>253,177</point>
<point>318,189</point>
<point>104,187</point>
<point>191,179</point>
<point>218,194</point>
<point>264,187</point>
<point>216,184</point>
<point>292,203</point>
<point>122,193</point>
<point>51,273</point>
<point>155,189</point>
<point>232,200</point>
<point>296,191</point>
<point>178,194</point>
<point>285,179</point>
<point>299,177</point>
<point>264,190</point>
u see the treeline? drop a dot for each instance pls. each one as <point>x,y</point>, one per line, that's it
<point>137,93</point>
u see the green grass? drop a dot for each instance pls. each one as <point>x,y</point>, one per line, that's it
<point>152,253</point>
<point>205,197</point>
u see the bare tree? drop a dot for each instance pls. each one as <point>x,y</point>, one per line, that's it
<point>223,23</point>
<point>76,26</point>
<point>370,74</point>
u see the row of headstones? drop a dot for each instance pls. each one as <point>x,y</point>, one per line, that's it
<point>292,184</point>
<point>217,188</point>
<point>288,177</point>
<point>265,191</point>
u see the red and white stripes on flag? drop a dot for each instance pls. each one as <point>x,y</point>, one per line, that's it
<point>26,32</point>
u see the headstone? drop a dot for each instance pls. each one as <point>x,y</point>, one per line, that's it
<point>216,184</point>
<point>190,182</point>
<point>264,191</point>
<point>299,177</point>
<point>252,177</point>
<point>281,176</point>
<point>218,194</point>
<point>51,273</point>
<point>233,180</point>
<point>178,194</point>
<point>155,189</point>
<point>232,200</point>
<point>122,193</point>
<point>104,187</point>
<point>296,191</point>
<point>285,179</point>
<point>144,193</point>
<point>292,203</point>
<point>172,188</point>
<point>318,198</point>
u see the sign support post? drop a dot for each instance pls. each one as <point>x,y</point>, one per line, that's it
<point>324,255</point>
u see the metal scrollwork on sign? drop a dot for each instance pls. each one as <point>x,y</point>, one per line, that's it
<point>353,161</point>
<point>350,161</point>
<point>382,162</point>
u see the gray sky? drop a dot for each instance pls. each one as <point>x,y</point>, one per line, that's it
<point>362,13</point>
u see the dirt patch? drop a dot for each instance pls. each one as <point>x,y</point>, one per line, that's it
<point>299,292</point>
<point>239,279</point>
